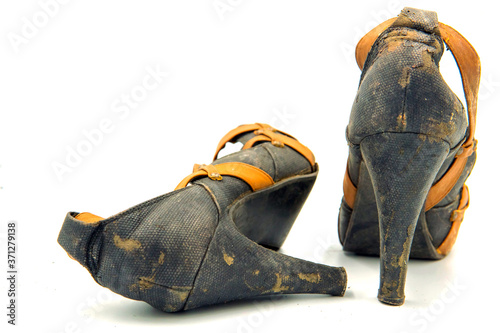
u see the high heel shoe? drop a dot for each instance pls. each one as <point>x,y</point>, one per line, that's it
<point>411,147</point>
<point>210,242</point>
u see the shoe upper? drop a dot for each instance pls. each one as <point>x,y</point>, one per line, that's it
<point>402,91</point>
<point>401,88</point>
<point>153,251</point>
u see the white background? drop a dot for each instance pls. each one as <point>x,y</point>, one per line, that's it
<point>288,63</point>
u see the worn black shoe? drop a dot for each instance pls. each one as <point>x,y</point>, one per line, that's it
<point>411,147</point>
<point>213,241</point>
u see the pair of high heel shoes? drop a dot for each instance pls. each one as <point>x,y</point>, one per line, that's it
<point>213,239</point>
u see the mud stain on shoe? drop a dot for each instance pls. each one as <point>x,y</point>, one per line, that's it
<point>313,277</point>
<point>126,244</point>
<point>181,292</point>
<point>393,44</point>
<point>405,77</point>
<point>228,259</point>
<point>440,130</point>
<point>161,259</point>
<point>143,284</point>
<point>374,85</point>
<point>278,287</point>
<point>401,122</point>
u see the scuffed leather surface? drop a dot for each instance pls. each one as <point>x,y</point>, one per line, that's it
<point>172,251</point>
<point>401,90</point>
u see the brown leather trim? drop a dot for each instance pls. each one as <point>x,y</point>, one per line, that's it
<point>441,189</point>
<point>280,140</point>
<point>210,170</point>
<point>470,69</point>
<point>240,130</point>
<point>191,177</point>
<point>349,189</point>
<point>365,44</point>
<point>88,218</point>
<point>234,133</point>
<point>437,192</point>
<point>457,216</point>
<point>253,176</point>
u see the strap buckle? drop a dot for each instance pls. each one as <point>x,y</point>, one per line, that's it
<point>256,178</point>
<point>211,171</point>
<point>458,214</point>
<point>272,134</point>
<point>468,150</point>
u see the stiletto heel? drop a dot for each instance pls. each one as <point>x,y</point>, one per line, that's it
<point>203,243</point>
<point>411,147</point>
<point>402,168</point>
<point>236,263</point>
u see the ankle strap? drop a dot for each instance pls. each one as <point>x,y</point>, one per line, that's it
<point>265,132</point>
<point>279,140</point>
<point>242,129</point>
<point>456,218</point>
<point>253,176</point>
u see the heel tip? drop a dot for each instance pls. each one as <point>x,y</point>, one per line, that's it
<point>391,301</point>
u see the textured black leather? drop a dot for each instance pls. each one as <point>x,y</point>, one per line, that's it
<point>183,250</point>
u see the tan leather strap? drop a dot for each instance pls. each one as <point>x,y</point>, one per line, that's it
<point>365,44</point>
<point>280,140</point>
<point>241,130</point>
<point>88,218</point>
<point>253,176</point>
<point>210,170</point>
<point>437,192</point>
<point>470,70</point>
<point>456,218</point>
<point>441,189</point>
<point>349,189</point>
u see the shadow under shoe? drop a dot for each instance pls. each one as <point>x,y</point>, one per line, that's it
<point>208,241</point>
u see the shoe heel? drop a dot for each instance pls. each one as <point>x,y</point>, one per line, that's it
<point>402,168</point>
<point>267,216</point>
<point>238,266</point>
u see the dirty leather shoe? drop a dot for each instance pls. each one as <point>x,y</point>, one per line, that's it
<point>411,147</point>
<point>212,241</point>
